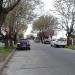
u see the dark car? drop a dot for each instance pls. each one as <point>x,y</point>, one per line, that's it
<point>46,41</point>
<point>23,44</point>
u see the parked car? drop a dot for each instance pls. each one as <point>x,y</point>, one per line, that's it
<point>46,41</point>
<point>23,44</point>
<point>53,42</point>
<point>61,42</point>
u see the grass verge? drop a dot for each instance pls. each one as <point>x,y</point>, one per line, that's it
<point>71,47</point>
<point>4,52</point>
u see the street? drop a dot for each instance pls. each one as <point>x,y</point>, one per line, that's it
<point>42,60</point>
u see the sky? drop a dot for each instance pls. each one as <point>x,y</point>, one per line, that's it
<point>48,5</point>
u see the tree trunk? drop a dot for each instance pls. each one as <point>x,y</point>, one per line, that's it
<point>6,43</point>
<point>15,38</point>
<point>2,18</point>
<point>6,40</point>
<point>68,38</point>
<point>11,42</point>
<point>10,39</point>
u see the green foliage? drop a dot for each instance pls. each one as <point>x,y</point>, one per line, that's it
<point>5,50</point>
<point>44,22</point>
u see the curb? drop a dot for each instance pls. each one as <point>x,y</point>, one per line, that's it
<point>6,61</point>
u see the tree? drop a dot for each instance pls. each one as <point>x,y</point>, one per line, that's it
<point>66,10</point>
<point>18,18</point>
<point>5,8</point>
<point>46,25</point>
<point>44,22</point>
<point>21,28</point>
<point>26,10</point>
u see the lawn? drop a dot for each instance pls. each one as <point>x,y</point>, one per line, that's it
<point>4,52</point>
<point>71,47</point>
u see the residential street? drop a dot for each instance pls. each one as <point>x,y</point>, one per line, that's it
<point>42,60</point>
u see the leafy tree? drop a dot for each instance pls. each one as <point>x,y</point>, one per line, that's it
<point>18,18</point>
<point>45,24</point>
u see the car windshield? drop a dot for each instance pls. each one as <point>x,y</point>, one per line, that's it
<point>23,40</point>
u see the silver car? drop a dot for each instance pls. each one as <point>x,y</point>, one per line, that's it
<point>61,42</point>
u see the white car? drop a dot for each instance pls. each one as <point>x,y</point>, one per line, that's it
<point>62,42</point>
<point>53,42</point>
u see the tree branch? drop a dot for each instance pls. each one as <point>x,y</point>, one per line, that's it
<point>6,10</point>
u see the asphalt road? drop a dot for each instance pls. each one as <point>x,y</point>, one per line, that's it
<point>42,60</point>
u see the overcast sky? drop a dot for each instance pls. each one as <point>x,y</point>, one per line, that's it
<point>48,4</point>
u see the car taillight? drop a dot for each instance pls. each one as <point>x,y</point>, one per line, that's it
<point>18,44</point>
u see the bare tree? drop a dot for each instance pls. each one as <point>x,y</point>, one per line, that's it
<point>66,10</point>
<point>5,7</point>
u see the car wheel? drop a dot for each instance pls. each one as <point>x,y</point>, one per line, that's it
<point>29,48</point>
<point>55,46</point>
<point>52,46</point>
